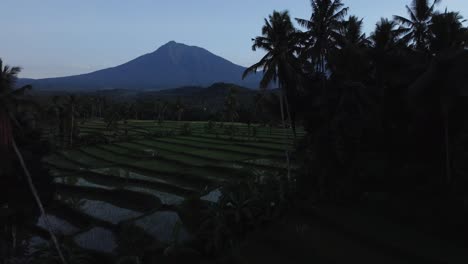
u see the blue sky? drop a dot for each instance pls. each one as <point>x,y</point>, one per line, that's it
<point>63,37</point>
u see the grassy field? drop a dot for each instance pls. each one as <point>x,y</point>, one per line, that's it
<point>153,170</point>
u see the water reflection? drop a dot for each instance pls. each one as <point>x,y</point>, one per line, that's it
<point>105,211</point>
<point>80,182</point>
<point>97,239</point>
<point>166,227</point>
<point>166,198</point>
<point>58,225</point>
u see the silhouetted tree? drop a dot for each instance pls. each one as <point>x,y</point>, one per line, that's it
<point>322,27</point>
<point>72,103</point>
<point>230,106</point>
<point>447,32</point>
<point>416,27</point>
<point>279,65</point>
<point>10,98</point>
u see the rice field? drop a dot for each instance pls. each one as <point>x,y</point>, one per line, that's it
<point>142,180</point>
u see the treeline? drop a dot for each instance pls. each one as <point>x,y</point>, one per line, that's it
<point>220,102</point>
<point>385,113</point>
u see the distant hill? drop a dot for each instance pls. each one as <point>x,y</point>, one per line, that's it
<point>172,65</point>
<point>213,95</point>
<point>215,90</point>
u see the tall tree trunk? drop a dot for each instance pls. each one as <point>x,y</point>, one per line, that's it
<point>72,124</point>
<point>38,200</point>
<point>289,117</point>
<point>325,141</point>
<point>179,115</point>
<point>62,134</point>
<point>286,151</point>
<point>448,167</point>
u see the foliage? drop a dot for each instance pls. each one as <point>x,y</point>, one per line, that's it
<point>382,113</point>
<point>186,129</point>
<point>416,28</point>
<point>210,127</point>
<point>13,169</point>
<point>231,131</point>
<point>321,32</point>
<point>230,106</point>
<point>242,207</point>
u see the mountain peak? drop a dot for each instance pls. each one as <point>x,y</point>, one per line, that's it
<point>171,47</point>
<point>172,65</point>
<point>171,43</point>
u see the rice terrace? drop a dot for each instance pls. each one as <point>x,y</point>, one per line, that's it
<point>155,169</point>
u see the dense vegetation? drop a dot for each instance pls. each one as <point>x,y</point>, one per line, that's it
<point>372,124</point>
<point>383,113</point>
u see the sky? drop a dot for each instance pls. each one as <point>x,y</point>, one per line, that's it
<point>51,38</point>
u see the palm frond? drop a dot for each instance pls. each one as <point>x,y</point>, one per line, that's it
<point>268,77</point>
<point>304,23</point>
<point>403,20</point>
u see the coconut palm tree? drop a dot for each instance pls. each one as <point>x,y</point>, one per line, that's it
<point>179,108</point>
<point>10,98</point>
<point>416,27</point>
<point>72,103</point>
<point>326,18</point>
<point>447,32</point>
<point>279,40</point>
<point>230,105</point>
<point>319,41</point>
<point>160,108</point>
<point>386,36</point>
<point>386,40</point>
<point>350,33</point>
<point>436,89</point>
<point>349,59</point>
<point>386,51</point>
<point>100,105</point>
<point>443,81</point>
<point>56,111</point>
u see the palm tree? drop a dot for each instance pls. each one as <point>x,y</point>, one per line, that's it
<point>57,112</point>
<point>230,104</point>
<point>180,108</point>
<point>447,32</point>
<point>319,42</point>
<point>386,35</point>
<point>441,84</point>
<point>385,41</point>
<point>279,40</point>
<point>72,104</point>
<point>321,30</point>
<point>447,41</point>
<point>160,108</point>
<point>416,27</point>
<point>351,33</point>
<point>349,58</point>
<point>10,98</point>
<point>387,49</point>
<point>101,103</point>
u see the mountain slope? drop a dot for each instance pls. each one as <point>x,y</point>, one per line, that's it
<point>172,65</point>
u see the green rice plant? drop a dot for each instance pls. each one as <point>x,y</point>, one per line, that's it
<point>186,129</point>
